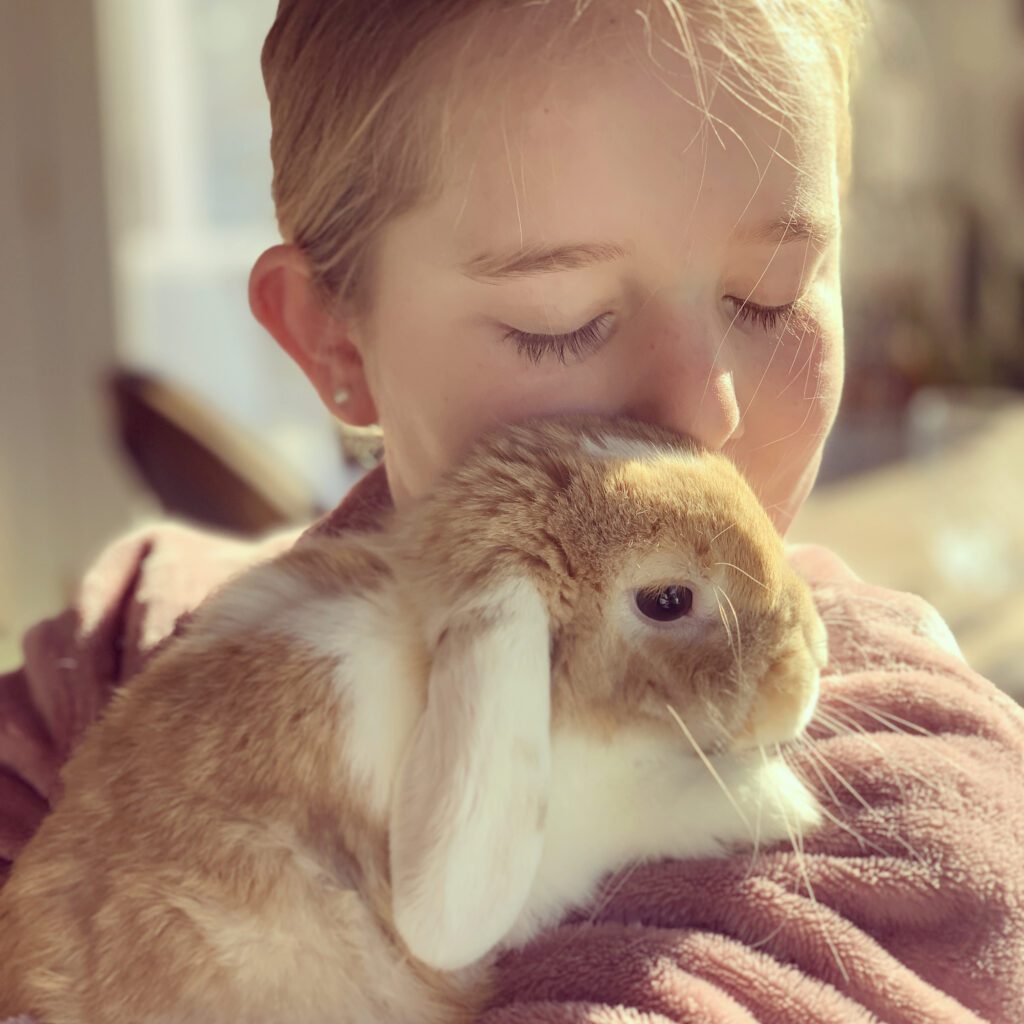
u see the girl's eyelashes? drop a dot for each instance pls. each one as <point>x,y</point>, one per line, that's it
<point>593,335</point>
<point>579,343</point>
<point>767,316</point>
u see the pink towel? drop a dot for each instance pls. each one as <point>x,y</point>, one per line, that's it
<point>907,907</point>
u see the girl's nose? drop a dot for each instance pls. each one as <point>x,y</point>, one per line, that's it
<point>689,388</point>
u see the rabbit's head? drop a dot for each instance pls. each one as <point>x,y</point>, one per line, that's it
<point>593,574</point>
<point>685,607</point>
<point>665,582</point>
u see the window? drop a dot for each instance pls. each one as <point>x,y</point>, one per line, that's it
<point>189,180</point>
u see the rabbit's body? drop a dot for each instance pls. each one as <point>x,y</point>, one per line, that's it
<point>432,739</point>
<point>207,861</point>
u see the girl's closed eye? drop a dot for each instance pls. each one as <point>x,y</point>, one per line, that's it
<point>592,335</point>
<point>580,342</point>
<point>768,317</point>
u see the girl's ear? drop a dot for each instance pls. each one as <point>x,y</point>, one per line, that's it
<point>284,300</point>
<point>467,814</point>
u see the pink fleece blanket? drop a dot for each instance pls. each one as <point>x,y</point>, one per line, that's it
<point>907,908</point>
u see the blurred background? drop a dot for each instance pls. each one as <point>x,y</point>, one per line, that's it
<point>134,196</point>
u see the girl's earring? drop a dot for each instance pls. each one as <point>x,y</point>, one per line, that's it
<point>341,396</point>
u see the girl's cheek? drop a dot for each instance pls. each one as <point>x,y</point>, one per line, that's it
<point>807,363</point>
<point>792,398</point>
<point>803,362</point>
<point>807,385</point>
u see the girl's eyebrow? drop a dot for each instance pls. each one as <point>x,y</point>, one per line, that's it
<point>537,258</point>
<point>798,226</point>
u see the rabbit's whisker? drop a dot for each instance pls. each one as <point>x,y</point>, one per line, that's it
<point>725,622</point>
<point>735,646</point>
<point>805,744</point>
<point>885,718</point>
<point>710,767</point>
<point>757,829</point>
<point>862,839</point>
<point>721,532</point>
<point>831,718</point>
<point>793,376</point>
<point>606,897</point>
<point>739,638</point>
<point>796,355</point>
<point>844,725</point>
<point>745,573</point>
<point>778,753</point>
<point>801,860</point>
<point>850,788</point>
<point>898,769</point>
<point>771,935</point>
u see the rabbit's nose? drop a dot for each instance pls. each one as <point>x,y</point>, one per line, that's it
<point>785,701</point>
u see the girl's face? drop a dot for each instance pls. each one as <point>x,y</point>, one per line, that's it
<point>601,246</point>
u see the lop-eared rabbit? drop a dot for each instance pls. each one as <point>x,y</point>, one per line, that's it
<point>371,764</point>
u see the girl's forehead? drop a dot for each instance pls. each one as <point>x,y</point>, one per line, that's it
<point>622,141</point>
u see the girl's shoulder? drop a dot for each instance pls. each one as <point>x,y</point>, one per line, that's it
<point>129,601</point>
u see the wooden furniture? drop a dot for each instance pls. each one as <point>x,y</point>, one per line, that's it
<point>201,466</point>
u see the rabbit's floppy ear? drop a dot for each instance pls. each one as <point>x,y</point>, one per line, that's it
<point>467,813</point>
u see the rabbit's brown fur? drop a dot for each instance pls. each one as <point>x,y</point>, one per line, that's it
<point>527,505</point>
<point>214,858</point>
<point>198,805</point>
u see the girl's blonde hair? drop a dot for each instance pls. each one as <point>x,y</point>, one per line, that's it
<point>358,102</point>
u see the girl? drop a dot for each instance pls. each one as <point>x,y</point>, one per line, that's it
<point>498,208</point>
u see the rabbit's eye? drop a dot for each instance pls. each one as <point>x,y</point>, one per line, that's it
<point>665,604</point>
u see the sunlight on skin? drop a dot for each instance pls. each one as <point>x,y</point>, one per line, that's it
<point>661,333</point>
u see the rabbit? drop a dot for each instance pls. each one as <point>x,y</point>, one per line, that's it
<point>370,765</point>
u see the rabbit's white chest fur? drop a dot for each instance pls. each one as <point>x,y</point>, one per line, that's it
<point>635,799</point>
